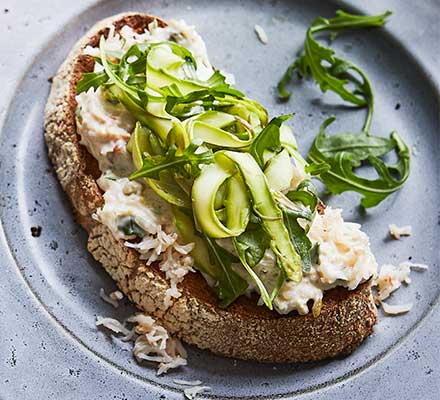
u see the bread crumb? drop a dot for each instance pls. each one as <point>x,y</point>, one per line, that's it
<point>36,231</point>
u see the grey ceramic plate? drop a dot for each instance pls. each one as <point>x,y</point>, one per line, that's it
<point>52,284</point>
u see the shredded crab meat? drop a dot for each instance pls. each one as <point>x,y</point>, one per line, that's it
<point>192,392</point>
<point>160,243</point>
<point>390,278</point>
<point>113,324</point>
<point>345,257</point>
<point>109,299</point>
<point>397,231</point>
<point>187,383</point>
<point>395,309</point>
<point>153,343</point>
<point>173,259</point>
<point>261,34</point>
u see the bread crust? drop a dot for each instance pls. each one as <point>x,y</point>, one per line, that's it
<point>244,330</point>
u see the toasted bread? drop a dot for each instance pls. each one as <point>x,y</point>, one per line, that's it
<point>243,330</point>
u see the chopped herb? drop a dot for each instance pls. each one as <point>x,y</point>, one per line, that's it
<point>129,227</point>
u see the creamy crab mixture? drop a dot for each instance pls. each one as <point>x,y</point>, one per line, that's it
<point>345,258</point>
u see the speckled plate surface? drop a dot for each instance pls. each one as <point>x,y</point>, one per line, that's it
<point>49,345</point>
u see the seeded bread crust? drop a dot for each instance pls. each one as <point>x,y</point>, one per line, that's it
<point>244,330</point>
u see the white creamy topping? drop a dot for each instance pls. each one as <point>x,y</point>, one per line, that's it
<point>105,129</point>
<point>294,296</point>
<point>130,198</point>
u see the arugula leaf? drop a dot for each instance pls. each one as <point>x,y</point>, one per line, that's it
<point>91,79</point>
<point>268,139</point>
<point>127,70</point>
<point>186,163</point>
<point>302,243</point>
<point>254,244</point>
<point>251,246</point>
<point>333,158</point>
<point>136,95</point>
<point>205,97</point>
<point>305,196</point>
<point>340,177</point>
<point>128,226</point>
<point>230,285</point>
<point>336,75</point>
<point>170,190</point>
<point>360,146</point>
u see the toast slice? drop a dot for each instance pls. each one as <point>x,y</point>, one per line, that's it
<point>243,330</point>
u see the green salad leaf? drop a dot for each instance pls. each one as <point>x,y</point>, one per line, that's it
<point>334,158</point>
<point>230,285</point>
<point>360,146</point>
<point>268,139</point>
<point>250,247</point>
<point>187,163</point>
<point>254,243</point>
<point>91,79</point>
<point>339,175</point>
<point>302,206</point>
<point>330,72</point>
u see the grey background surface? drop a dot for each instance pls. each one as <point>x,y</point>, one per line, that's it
<point>39,360</point>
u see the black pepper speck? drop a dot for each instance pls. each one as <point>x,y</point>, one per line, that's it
<point>36,231</point>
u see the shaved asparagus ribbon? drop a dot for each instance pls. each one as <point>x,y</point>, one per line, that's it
<point>206,188</point>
